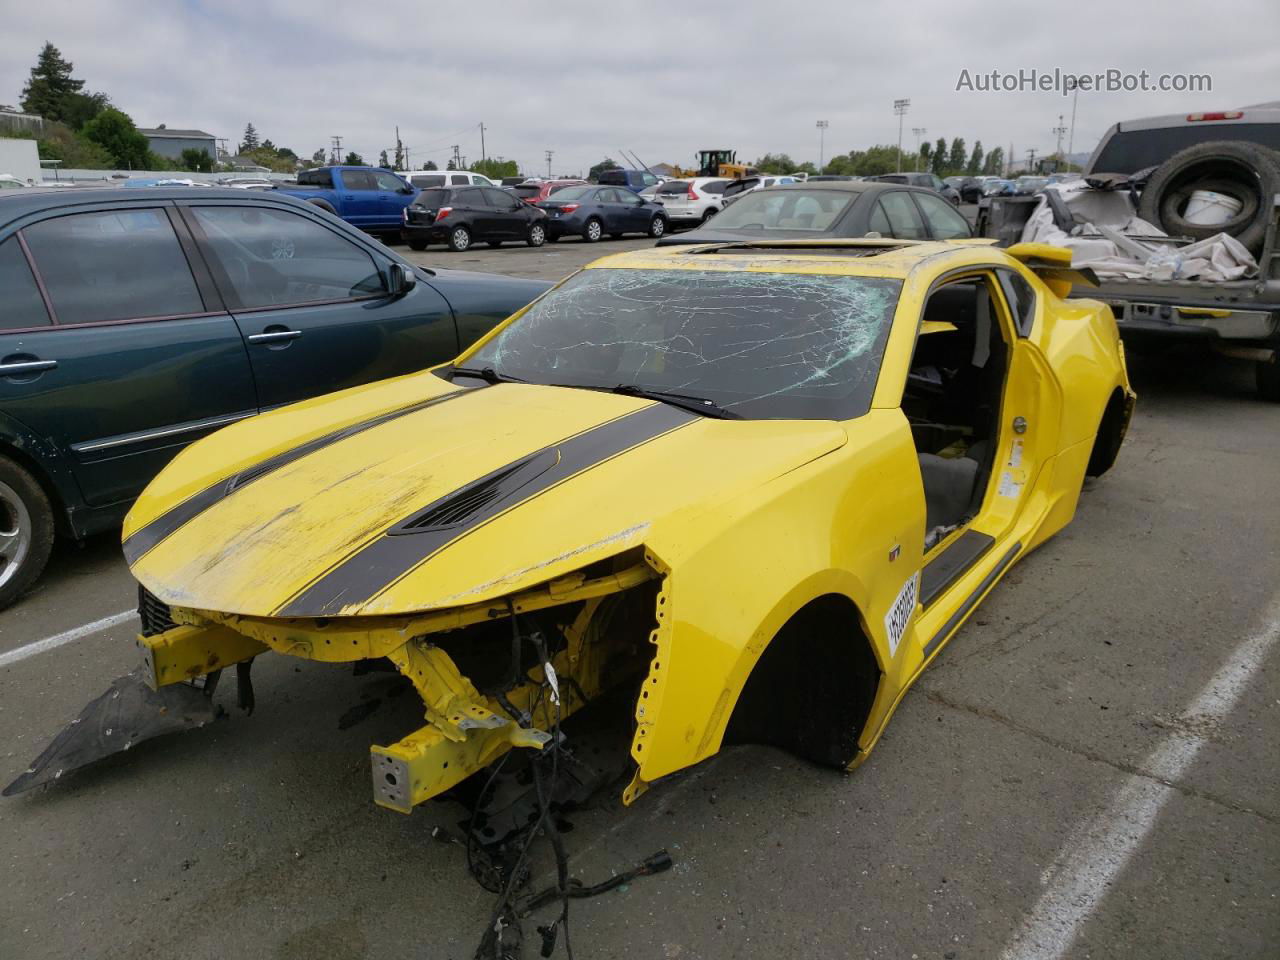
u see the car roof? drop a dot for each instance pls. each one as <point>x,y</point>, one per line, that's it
<point>20,203</point>
<point>838,256</point>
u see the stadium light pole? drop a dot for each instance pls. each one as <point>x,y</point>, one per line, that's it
<point>900,108</point>
<point>919,132</point>
<point>822,132</point>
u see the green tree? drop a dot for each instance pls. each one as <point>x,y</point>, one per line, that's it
<point>955,163</point>
<point>80,108</point>
<point>49,90</point>
<point>430,165</point>
<point>938,161</point>
<point>975,159</point>
<point>926,155</point>
<point>994,164</point>
<point>318,158</point>
<point>775,163</point>
<point>250,141</point>
<point>61,143</point>
<point>354,160</point>
<point>384,160</point>
<point>608,163</point>
<point>451,165</point>
<point>116,134</point>
<point>496,169</point>
<point>197,160</point>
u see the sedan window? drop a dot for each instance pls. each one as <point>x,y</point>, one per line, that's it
<point>22,305</point>
<point>459,178</point>
<point>113,265</point>
<point>904,218</point>
<point>944,222</point>
<point>762,345</point>
<point>276,257</point>
<point>785,210</point>
<point>498,199</point>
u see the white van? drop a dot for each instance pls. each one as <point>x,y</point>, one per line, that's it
<point>422,179</point>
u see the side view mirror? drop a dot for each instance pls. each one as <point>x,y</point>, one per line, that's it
<point>407,189</point>
<point>403,279</point>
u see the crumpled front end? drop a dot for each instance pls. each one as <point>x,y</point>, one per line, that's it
<point>492,675</point>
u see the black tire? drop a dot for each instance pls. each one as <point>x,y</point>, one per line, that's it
<point>459,239</point>
<point>657,226</point>
<point>323,205</point>
<point>1110,437</point>
<point>495,244</point>
<point>592,230</point>
<point>708,214</point>
<point>26,531</point>
<point>1245,171</point>
<point>537,235</point>
<point>1267,374</point>
<point>417,244</point>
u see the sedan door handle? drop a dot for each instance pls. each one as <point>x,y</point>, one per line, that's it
<point>26,366</point>
<point>274,336</point>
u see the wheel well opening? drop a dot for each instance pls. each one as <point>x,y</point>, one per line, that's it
<point>28,463</point>
<point>811,690</point>
<point>1111,431</point>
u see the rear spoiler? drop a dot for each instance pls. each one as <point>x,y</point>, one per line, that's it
<point>1053,265</point>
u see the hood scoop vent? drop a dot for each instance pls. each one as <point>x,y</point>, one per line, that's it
<point>483,496</point>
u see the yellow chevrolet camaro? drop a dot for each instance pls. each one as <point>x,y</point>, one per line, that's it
<point>758,485</point>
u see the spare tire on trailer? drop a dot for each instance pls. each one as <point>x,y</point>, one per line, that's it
<point>1246,171</point>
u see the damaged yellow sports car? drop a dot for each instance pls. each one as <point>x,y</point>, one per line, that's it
<point>759,485</point>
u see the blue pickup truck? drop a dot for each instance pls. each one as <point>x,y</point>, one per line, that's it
<point>366,197</point>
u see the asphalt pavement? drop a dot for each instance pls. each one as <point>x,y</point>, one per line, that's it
<point>1088,771</point>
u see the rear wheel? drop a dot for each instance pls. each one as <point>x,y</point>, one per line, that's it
<point>592,231</point>
<point>537,235</point>
<point>707,214</point>
<point>657,226</point>
<point>26,531</point>
<point>459,239</point>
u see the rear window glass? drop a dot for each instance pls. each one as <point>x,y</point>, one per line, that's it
<point>672,187</point>
<point>528,189</point>
<point>613,176</point>
<point>716,187</point>
<point>427,179</point>
<point>563,186</point>
<point>315,178</point>
<point>431,198</point>
<point>784,210</point>
<point>573,193</point>
<point>1134,150</point>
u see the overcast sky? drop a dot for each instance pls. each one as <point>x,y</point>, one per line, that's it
<point>661,79</point>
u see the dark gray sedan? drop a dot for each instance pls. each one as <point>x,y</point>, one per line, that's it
<point>591,212</point>
<point>832,209</point>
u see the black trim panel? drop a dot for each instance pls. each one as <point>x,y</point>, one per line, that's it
<point>394,553</point>
<point>952,563</point>
<point>162,526</point>
<point>972,601</point>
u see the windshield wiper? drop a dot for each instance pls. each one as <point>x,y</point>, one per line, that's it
<point>487,374</point>
<point>708,408</point>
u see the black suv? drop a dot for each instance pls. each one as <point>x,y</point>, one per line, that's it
<point>459,216</point>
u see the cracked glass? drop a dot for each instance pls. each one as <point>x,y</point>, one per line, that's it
<point>761,345</point>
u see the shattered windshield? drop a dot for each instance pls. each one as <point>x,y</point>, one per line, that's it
<point>762,345</point>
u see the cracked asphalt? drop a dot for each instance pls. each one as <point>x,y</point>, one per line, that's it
<point>256,837</point>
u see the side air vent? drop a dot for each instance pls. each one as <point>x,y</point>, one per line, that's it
<point>153,612</point>
<point>483,496</point>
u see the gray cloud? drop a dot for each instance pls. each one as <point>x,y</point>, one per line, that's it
<point>583,79</point>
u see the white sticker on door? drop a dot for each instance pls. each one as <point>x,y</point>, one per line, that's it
<point>899,615</point>
<point>1015,454</point>
<point>1009,487</point>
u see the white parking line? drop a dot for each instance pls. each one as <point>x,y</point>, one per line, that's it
<point>67,636</point>
<point>1089,863</point>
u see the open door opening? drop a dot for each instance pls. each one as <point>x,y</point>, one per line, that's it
<point>952,401</point>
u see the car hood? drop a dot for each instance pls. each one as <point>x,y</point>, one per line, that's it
<point>414,494</point>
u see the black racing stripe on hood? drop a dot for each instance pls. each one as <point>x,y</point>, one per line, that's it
<point>143,539</point>
<point>383,561</point>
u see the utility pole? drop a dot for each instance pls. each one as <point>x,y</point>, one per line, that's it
<point>483,156</point>
<point>822,133</point>
<point>919,132</point>
<point>1060,129</point>
<point>400,161</point>
<point>1031,160</point>
<point>335,152</point>
<point>1008,161</point>
<point>550,153</point>
<point>457,159</point>
<point>900,108</point>
<point>1075,95</point>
